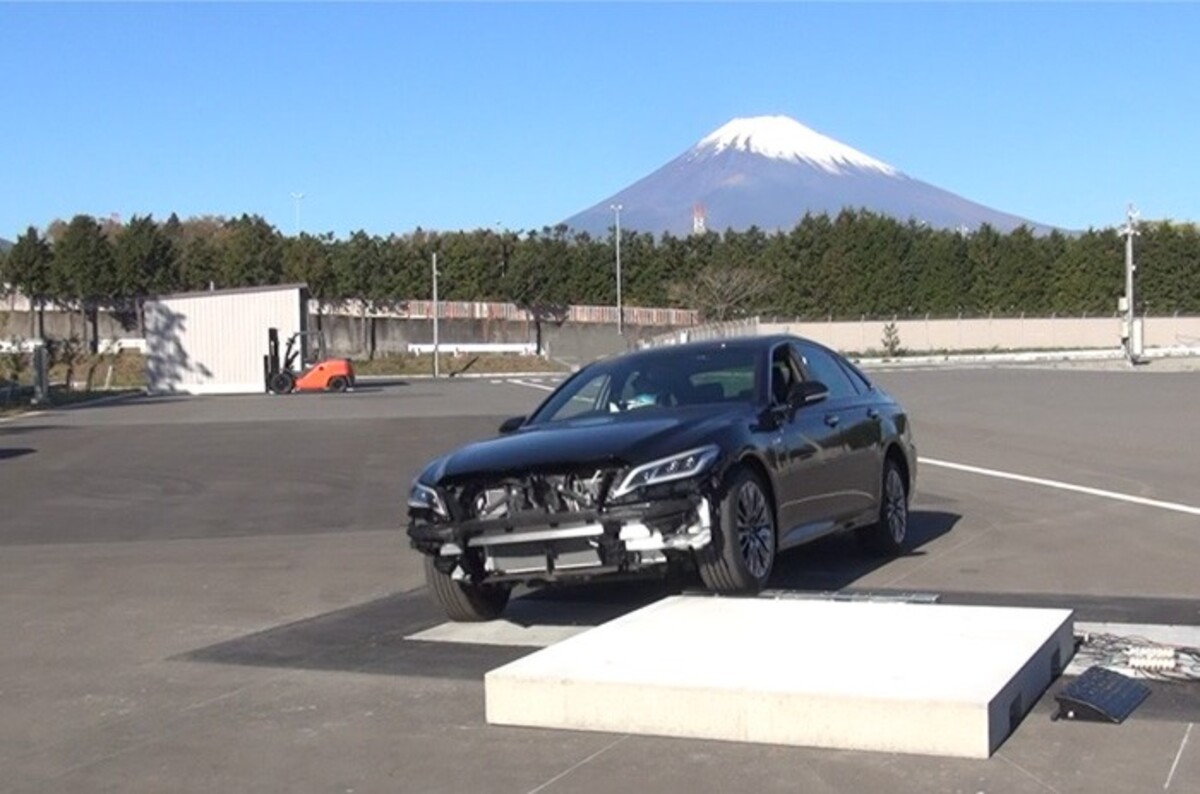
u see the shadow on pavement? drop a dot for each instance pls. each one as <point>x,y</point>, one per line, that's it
<point>378,383</point>
<point>15,452</point>
<point>838,561</point>
<point>370,637</point>
<point>9,429</point>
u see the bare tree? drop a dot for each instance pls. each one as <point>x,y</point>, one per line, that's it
<point>722,292</point>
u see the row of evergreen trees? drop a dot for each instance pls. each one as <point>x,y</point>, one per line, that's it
<point>854,264</point>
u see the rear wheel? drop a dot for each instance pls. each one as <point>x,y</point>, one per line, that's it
<point>889,534</point>
<point>338,383</point>
<point>465,602</point>
<point>283,383</point>
<point>742,552</point>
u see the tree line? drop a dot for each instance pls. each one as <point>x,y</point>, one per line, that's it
<point>845,266</point>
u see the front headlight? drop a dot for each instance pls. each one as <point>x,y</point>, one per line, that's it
<point>677,467</point>
<point>422,497</point>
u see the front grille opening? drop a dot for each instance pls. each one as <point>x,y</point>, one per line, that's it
<point>541,493</point>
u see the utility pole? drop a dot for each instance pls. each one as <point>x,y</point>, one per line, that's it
<point>436,362</point>
<point>616,208</point>
<point>296,199</point>
<point>1132,329</point>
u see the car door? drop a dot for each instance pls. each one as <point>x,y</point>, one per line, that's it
<point>806,450</point>
<point>857,432</point>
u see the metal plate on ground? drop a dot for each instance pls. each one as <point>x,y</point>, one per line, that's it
<point>1100,695</point>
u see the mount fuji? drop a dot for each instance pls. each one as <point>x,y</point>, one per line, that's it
<point>769,171</point>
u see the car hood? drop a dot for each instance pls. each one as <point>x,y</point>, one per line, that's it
<point>610,440</point>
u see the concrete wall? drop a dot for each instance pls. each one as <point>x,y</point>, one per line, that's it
<point>572,342</point>
<point>587,335</point>
<point>960,335</point>
<point>1031,333</point>
<point>585,332</point>
<point>62,325</point>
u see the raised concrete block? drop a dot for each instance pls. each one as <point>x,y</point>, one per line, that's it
<point>912,678</point>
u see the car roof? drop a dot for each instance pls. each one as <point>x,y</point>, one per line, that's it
<point>757,343</point>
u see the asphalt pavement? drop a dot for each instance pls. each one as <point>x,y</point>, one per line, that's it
<point>214,593</point>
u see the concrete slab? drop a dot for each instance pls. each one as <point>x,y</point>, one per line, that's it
<point>912,678</point>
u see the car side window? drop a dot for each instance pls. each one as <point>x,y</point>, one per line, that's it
<point>860,380</point>
<point>784,374</point>
<point>820,365</point>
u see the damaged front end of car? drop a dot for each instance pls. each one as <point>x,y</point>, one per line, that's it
<point>568,523</point>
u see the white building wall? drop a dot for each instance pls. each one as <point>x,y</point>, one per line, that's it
<point>214,342</point>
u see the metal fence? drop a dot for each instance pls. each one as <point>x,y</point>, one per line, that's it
<point>482,310</point>
<point>699,333</point>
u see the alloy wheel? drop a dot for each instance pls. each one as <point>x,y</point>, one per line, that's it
<point>896,506</point>
<point>756,536</point>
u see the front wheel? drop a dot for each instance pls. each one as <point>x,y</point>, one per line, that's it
<point>742,552</point>
<point>465,602</point>
<point>283,382</point>
<point>888,535</point>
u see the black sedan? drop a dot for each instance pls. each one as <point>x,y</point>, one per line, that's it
<point>714,456</point>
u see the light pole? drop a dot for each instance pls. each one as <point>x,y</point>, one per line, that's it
<point>436,362</point>
<point>503,251</point>
<point>616,208</point>
<point>296,199</point>
<point>1133,347</point>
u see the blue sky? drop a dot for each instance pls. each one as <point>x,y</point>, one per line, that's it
<point>448,116</point>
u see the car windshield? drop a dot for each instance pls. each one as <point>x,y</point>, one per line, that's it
<point>638,383</point>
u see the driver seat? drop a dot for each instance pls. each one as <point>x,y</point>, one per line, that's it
<point>781,382</point>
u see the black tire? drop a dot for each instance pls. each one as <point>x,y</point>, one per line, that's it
<point>338,383</point>
<point>889,534</point>
<point>464,602</point>
<point>742,552</point>
<point>283,383</point>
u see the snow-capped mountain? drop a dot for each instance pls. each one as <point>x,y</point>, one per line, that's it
<point>768,171</point>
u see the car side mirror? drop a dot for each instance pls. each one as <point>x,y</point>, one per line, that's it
<point>807,392</point>
<point>511,424</point>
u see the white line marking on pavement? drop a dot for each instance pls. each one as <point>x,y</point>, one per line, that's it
<point>26,415</point>
<point>1064,486</point>
<point>1178,755</point>
<point>572,768</point>
<point>1026,772</point>
<point>532,385</point>
<point>496,382</point>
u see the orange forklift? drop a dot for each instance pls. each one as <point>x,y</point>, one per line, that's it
<point>317,372</point>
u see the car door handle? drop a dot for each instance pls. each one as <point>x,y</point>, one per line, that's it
<point>872,413</point>
<point>832,420</point>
